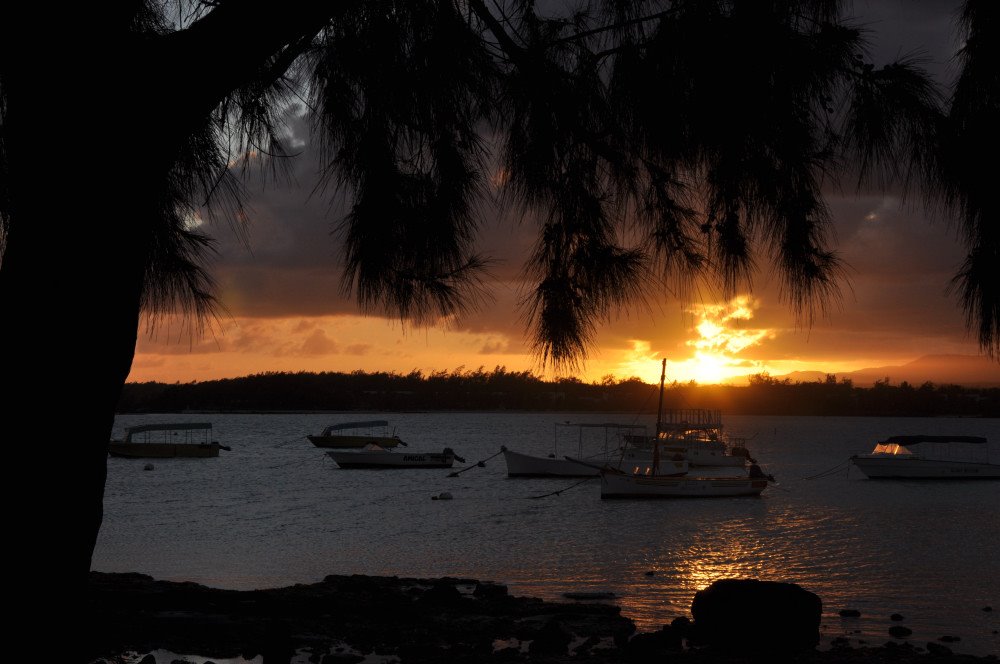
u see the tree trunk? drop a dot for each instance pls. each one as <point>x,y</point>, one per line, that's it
<point>71,279</point>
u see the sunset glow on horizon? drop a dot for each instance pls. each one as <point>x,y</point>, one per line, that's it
<point>718,343</point>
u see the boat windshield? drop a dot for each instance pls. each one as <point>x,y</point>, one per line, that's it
<point>966,449</point>
<point>890,448</point>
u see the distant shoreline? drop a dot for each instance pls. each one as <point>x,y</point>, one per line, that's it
<point>511,412</point>
<point>501,391</point>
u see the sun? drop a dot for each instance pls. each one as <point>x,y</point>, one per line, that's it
<point>719,338</point>
<point>707,368</point>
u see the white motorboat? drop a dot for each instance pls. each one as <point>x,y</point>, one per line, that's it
<point>696,435</point>
<point>375,456</point>
<point>929,457</point>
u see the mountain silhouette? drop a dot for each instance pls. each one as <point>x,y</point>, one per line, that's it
<point>966,370</point>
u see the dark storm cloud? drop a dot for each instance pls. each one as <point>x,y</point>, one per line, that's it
<point>287,258</point>
<point>903,28</point>
<point>900,263</point>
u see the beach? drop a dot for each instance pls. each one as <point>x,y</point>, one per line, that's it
<point>353,619</point>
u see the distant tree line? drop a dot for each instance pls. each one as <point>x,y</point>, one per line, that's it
<point>501,389</point>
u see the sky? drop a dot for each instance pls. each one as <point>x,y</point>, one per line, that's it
<point>283,309</point>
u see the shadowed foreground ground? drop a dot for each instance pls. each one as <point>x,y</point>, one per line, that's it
<point>343,618</point>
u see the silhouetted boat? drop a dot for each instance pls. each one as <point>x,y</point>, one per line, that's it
<point>167,440</point>
<point>695,434</point>
<point>929,457</point>
<point>357,435</point>
<point>374,456</point>
<point>619,484</point>
<point>556,465</point>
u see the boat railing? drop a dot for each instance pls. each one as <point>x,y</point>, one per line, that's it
<point>147,433</point>
<point>615,435</point>
<point>683,419</point>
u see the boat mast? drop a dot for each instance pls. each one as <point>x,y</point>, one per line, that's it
<point>659,408</point>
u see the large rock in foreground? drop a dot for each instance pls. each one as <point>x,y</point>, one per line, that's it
<point>750,616</point>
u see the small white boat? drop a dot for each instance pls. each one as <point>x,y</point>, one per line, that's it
<point>526,465</point>
<point>617,484</point>
<point>167,440</point>
<point>929,457</point>
<point>557,465</point>
<point>357,435</point>
<point>374,456</point>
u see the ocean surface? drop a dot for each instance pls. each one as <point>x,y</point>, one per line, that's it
<point>276,511</point>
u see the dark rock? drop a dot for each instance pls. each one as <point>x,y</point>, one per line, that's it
<point>681,625</point>
<point>489,591</point>
<point>148,659</point>
<point>342,658</point>
<point>650,573</point>
<point>751,616</point>
<point>653,646</point>
<point>442,594</point>
<point>899,632</point>
<point>587,644</point>
<point>896,617</point>
<point>277,646</point>
<point>180,661</point>
<point>849,613</point>
<point>507,655</point>
<point>552,639</point>
<point>938,649</point>
<point>526,630</point>
<point>987,608</point>
<point>950,639</point>
<point>622,634</point>
<point>421,652</point>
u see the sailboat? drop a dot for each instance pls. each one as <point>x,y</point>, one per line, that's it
<point>645,480</point>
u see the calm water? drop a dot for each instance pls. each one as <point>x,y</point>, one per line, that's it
<point>276,511</point>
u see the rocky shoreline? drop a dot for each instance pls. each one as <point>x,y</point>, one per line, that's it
<point>348,619</point>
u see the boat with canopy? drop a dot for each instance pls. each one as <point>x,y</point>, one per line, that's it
<point>929,457</point>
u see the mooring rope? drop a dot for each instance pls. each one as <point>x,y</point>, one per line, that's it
<point>288,442</point>
<point>556,493</point>
<point>836,469</point>
<point>478,464</point>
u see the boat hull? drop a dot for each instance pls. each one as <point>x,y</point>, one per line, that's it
<point>893,467</point>
<point>614,485</point>
<point>391,460</point>
<point>163,450</point>
<point>525,465</point>
<point>352,442</point>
